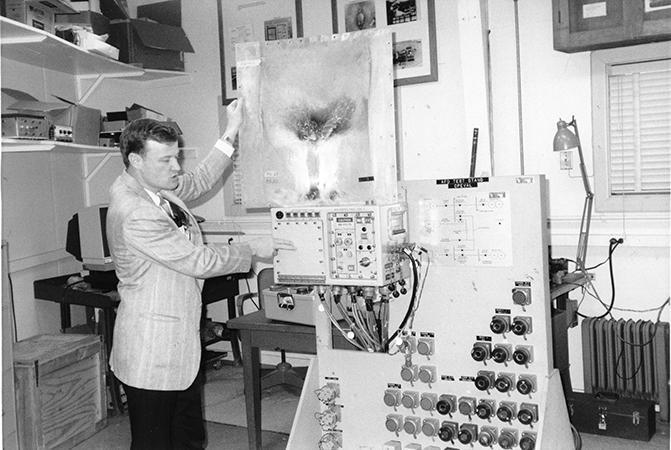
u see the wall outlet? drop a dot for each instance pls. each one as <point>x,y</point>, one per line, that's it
<point>566,160</point>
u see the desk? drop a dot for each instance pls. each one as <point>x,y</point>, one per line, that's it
<point>260,333</point>
<point>56,290</point>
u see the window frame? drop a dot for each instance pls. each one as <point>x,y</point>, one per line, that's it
<point>601,62</point>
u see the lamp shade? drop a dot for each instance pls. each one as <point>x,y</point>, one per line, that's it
<point>564,138</point>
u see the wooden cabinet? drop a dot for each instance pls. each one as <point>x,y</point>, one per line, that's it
<point>38,48</point>
<point>584,25</point>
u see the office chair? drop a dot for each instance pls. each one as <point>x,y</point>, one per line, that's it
<point>283,373</point>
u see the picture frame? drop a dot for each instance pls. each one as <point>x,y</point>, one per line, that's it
<point>413,26</point>
<point>252,21</point>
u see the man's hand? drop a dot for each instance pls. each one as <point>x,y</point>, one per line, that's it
<point>233,118</point>
<point>265,247</point>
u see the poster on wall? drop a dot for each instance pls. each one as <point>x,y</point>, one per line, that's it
<point>319,115</point>
<point>243,21</point>
<point>413,24</point>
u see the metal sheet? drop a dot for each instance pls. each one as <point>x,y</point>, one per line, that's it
<point>319,120</point>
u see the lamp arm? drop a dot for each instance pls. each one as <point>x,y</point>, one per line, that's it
<point>587,207</point>
<point>583,169</point>
<point>584,232</point>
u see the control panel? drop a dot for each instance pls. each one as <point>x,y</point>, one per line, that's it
<point>472,366</point>
<point>341,245</point>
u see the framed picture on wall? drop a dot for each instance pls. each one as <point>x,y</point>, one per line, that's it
<point>252,21</point>
<point>413,26</point>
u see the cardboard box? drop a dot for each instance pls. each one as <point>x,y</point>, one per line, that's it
<point>167,12</point>
<point>35,13</point>
<point>85,121</point>
<point>149,45</point>
<point>136,111</point>
<point>96,22</point>
<point>60,389</point>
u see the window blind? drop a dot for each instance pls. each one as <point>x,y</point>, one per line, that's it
<point>640,128</point>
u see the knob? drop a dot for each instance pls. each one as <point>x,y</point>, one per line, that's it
<point>365,261</point>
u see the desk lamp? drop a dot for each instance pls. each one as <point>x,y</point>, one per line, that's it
<point>566,140</point>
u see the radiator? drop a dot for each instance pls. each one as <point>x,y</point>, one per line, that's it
<point>610,365</point>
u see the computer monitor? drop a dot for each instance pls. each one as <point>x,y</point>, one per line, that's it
<point>87,238</point>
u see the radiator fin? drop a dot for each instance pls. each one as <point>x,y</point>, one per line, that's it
<point>633,371</point>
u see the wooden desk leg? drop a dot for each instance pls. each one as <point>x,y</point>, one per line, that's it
<point>251,368</point>
<point>235,346</point>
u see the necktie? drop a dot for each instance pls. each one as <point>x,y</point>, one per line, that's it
<point>163,203</point>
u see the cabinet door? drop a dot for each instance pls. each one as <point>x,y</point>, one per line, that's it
<point>582,25</point>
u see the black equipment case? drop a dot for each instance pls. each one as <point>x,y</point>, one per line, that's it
<point>607,414</point>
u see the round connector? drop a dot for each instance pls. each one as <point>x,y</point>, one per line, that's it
<point>507,440</point>
<point>503,383</point>
<point>446,433</point>
<point>484,410</point>
<point>528,442</point>
<point>444,406</point>
<point>483,382</point>
<point>519,327</point>
<point>505,413</point>
<point>479,352</point>
<point>498,325</point>
<point>525,386</point>
<point>500,355</point>
<point>486,438</point>
<point>465,436</point>
<point>522,356</point>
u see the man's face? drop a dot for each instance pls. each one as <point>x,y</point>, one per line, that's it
<point>159,168</point>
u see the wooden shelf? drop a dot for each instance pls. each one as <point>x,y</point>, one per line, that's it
<point>27,145</point>
<point>38,48</point>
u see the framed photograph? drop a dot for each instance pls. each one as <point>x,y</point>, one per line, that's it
<point>252,21</point>
<point>413,27</point>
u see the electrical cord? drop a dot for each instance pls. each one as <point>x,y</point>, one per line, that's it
<point>638,345</point>
<point>612,246</point>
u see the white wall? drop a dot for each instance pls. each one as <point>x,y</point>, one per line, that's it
<point>436,122</point>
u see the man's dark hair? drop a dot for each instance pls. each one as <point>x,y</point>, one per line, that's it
<point>140,131</point>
